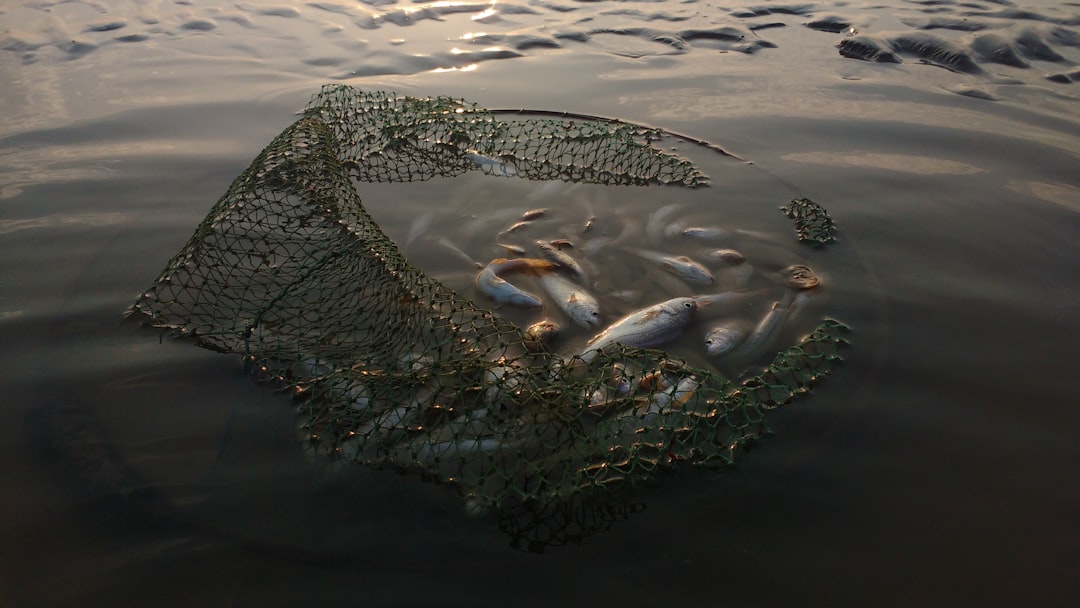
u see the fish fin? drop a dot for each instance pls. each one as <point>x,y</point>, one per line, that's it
<point>538,267</point>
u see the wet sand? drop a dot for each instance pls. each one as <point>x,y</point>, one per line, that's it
<point>933,469</point>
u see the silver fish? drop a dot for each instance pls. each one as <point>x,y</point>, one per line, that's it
<point>620,379</point>
<point>765,330</point>
<point>594,245</point>
<point>732,269</point>
<point>706,233</point>
<point>516,227</point>
<point>659,221</point>
<point>490,165</point>
<point>652,326</point>
<point>676,228</point>
<point>429,454</point>
<point>735,277</point>
<point>723,304</point>
<point>627,296</point>
<point>553,254</point>
<point>450,247</point>
<point>679,265</point>
<point>532,214</point>
<point>495,287</point>
<point>575,302</point>
<point>550,191</point>
<point>486,223</point>
<point>417,228</point>
<point>727,256</point>
<point>673,397</point>
<point>502,382</point>
<point>510,247</point>
<point>722,338</point>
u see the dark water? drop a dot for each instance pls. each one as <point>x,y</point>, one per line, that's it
<point>938,467</point>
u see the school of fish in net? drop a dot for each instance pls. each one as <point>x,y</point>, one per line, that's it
<point>389,367</point>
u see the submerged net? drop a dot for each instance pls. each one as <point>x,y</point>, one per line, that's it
<point>390,368</point>
<point>812,223</point>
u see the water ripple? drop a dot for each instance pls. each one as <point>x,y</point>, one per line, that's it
<point>988,41</point>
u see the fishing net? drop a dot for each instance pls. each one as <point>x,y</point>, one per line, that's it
<point>390,368</point>
<point>812,222</point>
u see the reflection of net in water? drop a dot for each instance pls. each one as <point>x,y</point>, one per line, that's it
<point>390,368</point>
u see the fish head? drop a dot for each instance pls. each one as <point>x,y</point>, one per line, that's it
<point>703,276</point>
<point>723,338</point>
<point>719,341</point>
<point>681,308</point>
<point>584,312</point>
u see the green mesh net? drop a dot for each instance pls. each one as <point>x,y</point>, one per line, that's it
<point>390,368</point>
<point>812,223</point>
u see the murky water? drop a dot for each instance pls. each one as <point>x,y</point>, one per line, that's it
<point>935,468</point>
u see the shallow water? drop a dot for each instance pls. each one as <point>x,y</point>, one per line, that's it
<point>935,468</point>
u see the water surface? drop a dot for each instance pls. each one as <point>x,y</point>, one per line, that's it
<point>935,468</point>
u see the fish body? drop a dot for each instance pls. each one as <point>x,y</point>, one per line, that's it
<point>490,165</point>
<point>532,214</point>
<point>418,228</point>
<point>706,233</point>
<point>491,283</point>
<point>520,226</point>
<point>730,257</point>
<point>450,247</point>
<point>503,382</point>
<point>510,247</point>
<point>588,224</point>
<point>620,379</point>
<point>679,265</point>
<point>553,254</point>
<point>764,331</point>
<point>658,222</point>
<point>676,228</point>
<point>723,337</point>
<point>724,303</point>
<point>672,397</point>
<point>515,227</point>
<point>652,326</point>
<point>576,303</point>
<point>594,245</point>
<point>489,222</point>
<point>735,277</point>
<point>627,296</point>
